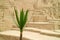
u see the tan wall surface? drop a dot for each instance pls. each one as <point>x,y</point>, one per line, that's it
<point>50,7</point>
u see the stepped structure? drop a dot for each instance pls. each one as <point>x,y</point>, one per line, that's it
<point>43,14</point>
<point>43,19</point>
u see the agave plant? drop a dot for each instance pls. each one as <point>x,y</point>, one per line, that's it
<point>21,20</point>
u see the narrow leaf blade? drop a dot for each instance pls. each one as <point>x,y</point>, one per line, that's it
<point>16,13</point>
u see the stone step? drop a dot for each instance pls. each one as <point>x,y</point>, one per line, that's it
<point>27,35</point>
<point>41,25</point>
<point>43,31</point>
<point>38,18</point>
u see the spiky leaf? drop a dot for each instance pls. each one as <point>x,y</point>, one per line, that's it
<point>25,17</point>
<point>17,17</point>
<point>21,18</point>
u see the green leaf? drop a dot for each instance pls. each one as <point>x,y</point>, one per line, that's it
<point>16,13</point>
<point>25,17</point>
<point>21,18</point>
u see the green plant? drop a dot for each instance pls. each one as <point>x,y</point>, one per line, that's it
<point>21,20</point>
